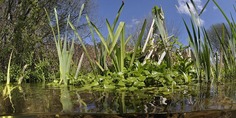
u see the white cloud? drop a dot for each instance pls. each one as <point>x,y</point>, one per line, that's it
<point>183,9</point>
<point>134,22</point>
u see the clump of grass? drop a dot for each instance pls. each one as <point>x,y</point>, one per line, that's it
<point>111,47</point>
<point>228,49</point>
<point>199,43</point>
<point>205,58</point>
<point>65,50</point>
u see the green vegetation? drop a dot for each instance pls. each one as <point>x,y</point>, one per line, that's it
<point>162,63</point>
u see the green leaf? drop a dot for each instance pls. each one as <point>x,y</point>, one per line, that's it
<point>133,88</point>
<point>138,43</point>
<point>82,43</point>
<point>116,36</point>
<point>118,15</point>
<point>110,30</point>
<point>95,83</point>
<point>141,78</point>
<point>108,86</point>
<point>101,37</point>
<point>121,83</point>
<point>139,84</point>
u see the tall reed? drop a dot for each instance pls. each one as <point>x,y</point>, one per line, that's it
<point>228,47</point>
<point>8,70</point>
<point>199,43</point>
<point>111,47</point>
<point>65,50</point>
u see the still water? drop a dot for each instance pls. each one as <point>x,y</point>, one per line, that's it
<point>39,100</point>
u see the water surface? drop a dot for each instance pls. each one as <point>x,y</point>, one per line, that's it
<point>40,100</point>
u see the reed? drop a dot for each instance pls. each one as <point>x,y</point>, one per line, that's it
<point>9,69</point>
<point>200,45</point>
<point>111,47</point>
<point>65,50</point>
<point>228,49</point>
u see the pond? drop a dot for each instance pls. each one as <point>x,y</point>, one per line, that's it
<point>40,100</point>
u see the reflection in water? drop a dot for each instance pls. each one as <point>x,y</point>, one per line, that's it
<point>82,105</point>
<point>38,99</point>
<point>6,94</point>
<point>65,99</point>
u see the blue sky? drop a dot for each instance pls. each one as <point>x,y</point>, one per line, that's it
<point>175,10</point>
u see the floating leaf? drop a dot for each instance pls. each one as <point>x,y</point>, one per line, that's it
<point>139,84</point>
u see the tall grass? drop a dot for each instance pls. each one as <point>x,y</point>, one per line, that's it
<point>200,44</point>
<point>65,50</point>
<point>205,58</point>
<point>8,70</point>
<point>111,47</point>
<point>228,49</point>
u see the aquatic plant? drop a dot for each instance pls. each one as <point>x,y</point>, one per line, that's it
<point>208,63</point>
<point>7,94</point>
<point>9,69</point>
<point>121,70</point>
<point>111,47</point>
<point>199,43</point>
<point>65,50</point>
<point>228,49</point>
<point>20,79</point>
<point>65,100</point>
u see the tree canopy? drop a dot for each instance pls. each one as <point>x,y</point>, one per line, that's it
<point>25,27</point>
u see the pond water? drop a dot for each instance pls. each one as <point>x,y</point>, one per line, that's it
<point>39,100</point>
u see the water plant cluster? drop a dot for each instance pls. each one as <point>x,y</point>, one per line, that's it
<point>162,63</point>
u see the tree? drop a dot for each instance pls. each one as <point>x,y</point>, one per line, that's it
<point>25,29</point>
<point>217,31</point>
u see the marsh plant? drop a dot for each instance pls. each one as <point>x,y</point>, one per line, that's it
<point>112,47</point>
<point>212,66</point>
<point>117,68</point>
<point>114,66</point>
<point>228,49</point>
<point>65,50</point>
<point>9,70</point>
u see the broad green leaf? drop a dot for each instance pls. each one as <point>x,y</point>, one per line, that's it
<point>139,84</point>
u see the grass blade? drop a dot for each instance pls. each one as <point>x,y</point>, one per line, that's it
<point>93,38</point>
<point>118,15</point>
<point>83,45</point>
<point>79,65</point>
<point>116,37</point>
<point>9,69</point>
<point>101,37</point>
<point>138,43</point>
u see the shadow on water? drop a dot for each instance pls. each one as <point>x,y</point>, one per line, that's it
<point>37,100</point>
